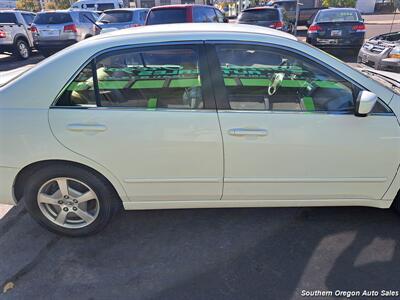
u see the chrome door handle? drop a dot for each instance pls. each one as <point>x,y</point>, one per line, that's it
<point>247,132</point>
<point>86,127</point>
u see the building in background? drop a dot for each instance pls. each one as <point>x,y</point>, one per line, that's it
<point>366,6</point>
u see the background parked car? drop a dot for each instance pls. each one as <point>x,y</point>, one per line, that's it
<point>337,28</point>
<point>266,16</point>
<point>53,31</point>
<point>97,5</point>
<point>307,10</point>
<point>187,13</point>
<point>382,52</point>
<point>15,35</point>
<point>121,18</point>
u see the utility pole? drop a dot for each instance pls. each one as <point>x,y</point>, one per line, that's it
<point>297,16</point>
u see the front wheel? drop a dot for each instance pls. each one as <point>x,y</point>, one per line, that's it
<point>70,200</point>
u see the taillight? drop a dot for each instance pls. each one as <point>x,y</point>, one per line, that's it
<point>314,29</point>
<point>135,25</point>
<point>70,28</point>
<point>359,28</point>
<point>277,25</point>
<point>2,34</point>
<point>395,53</point>
<point>33,29</point>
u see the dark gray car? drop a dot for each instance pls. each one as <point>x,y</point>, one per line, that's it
<point>267,17</point>
<point>121,18</point>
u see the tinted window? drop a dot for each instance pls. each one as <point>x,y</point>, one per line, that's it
<point>80,92</point>
<point>259,15</point>
<point>259,78</point>
<point>53,18</point>
<point>150,78</point>
<point>220,16</point>
<point>28,18</point>
<point>204,15</point>
<point>166,16</point>
<point>8,18</point>
<point>142,16</point>
<point>116,16</point>
<point>105,6</point>
<point>337,16</point>
<point>86,17</point>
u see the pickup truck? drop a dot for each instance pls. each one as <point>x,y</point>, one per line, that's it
<point>308,9</point>
<point>15,34</point>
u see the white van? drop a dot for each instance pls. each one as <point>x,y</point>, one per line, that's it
<point>98,5</point>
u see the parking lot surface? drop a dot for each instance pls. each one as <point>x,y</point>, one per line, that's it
<point>253,253</point>
<point>205,254</point>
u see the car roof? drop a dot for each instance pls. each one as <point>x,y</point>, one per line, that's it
<point>338,8</point>
<point>125,9</point>
<point>179,6</point>
<point>66,11</point>
<point>262,8</point>
<point>182,28</point>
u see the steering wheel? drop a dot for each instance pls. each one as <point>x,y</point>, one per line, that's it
<point>276,82</point>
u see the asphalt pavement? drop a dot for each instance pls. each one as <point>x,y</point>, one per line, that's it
<point>254,253</point>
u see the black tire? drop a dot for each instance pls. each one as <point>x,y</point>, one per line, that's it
<point>396,204</point>
<point>108,201</point>
<point>88,36</point>
<point>355,51</point>
<point>22,49</point>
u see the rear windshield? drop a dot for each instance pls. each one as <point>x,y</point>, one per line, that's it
<point>8,18</point>
<point>259,15</point>
<point>166,16</point>
<point>52,18</point>
<point>116,16</point>
<point>338,16</point>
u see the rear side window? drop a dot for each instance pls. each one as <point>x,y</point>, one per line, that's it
<point>166,16</point>
<point>28,18</point>
<point>259,15</point>
<point>105,6</point>
<point>8,18</point>
<point>53,18</point>
<point>148,78</point>
<point>116,16</point>
<point>204,15</point>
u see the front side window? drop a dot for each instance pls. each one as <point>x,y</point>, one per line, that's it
<point>262,78</point>
<point>148,78</point>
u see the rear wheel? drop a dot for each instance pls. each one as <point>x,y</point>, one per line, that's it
<point>22,49</point>
<point>70,200</point>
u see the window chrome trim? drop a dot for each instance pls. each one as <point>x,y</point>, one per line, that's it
<point>124,47</point>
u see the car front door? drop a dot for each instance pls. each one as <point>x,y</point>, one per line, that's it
<point>148,115</point>
<point>290,132</point>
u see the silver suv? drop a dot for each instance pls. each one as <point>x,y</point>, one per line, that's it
<point>15,34</point>
<point>56,30</point>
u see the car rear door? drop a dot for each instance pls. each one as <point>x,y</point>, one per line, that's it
<point>290,132</point>
<point>148,115</point>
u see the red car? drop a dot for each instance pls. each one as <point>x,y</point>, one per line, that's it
<point>186,13</point>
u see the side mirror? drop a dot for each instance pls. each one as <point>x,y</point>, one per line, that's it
<point>365,103</point>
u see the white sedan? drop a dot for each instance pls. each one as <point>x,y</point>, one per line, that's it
<point>194,116</point>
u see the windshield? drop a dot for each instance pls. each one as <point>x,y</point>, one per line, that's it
<point>337,16</point>
<point>116,17</point>
<point>259,15</point>
<point>166,16</point>
<point>8,18</point>
<point>52,18</point>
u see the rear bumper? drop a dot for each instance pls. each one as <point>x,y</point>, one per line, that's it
<point>330,43</point>
<point>7,177</point>
<point>54,45</point>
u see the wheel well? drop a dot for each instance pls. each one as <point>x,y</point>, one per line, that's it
<point>88,36</point>
<point>21,37</point>
<point>27,171</point>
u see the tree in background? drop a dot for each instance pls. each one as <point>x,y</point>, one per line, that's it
<point>32,5</point>
<point>339,3</point>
